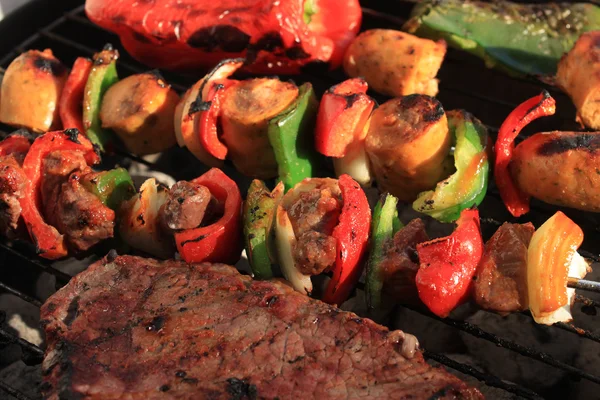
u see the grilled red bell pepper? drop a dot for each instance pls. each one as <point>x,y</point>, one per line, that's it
<point>222,240</point>
<point>352,236</point>
<point>516,201</point>
<point>276,37</point>
<point>343,113</point>
<point>15,143</point>
<point>209,118</point>
<point>448,264</point>
<point>70,106</point>
<point>49,242</point>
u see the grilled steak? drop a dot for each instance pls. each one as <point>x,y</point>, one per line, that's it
<point>139,328</point>
<point>501,280</point>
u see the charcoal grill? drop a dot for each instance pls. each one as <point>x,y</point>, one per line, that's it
<point>465,83</point>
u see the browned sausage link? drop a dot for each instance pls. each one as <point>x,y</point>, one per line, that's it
<point>561,168</point>
<point>188,206</point>
<point>408,145</point>
<point>314,215</point>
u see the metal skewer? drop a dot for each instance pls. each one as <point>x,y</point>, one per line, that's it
<point>582,284</point>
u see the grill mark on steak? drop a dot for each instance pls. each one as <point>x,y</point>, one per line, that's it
<point>232,341</point>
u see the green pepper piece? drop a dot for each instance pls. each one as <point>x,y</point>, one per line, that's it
<point>468,185</point>
<point>384,225</point>
<point>258,215</point>
<point>102,76</point>
<point>111,187</point>
<point>521,39</point>
<point>292,139</point>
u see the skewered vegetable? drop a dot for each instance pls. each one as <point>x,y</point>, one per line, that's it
<point>140,109</point>
<point>579,76</point>
<point>275,36</point>
<point>70,106</point>
<point>31,89</point>
<point>468,185</point>
<point>522,39</point>
<point>395,63</point>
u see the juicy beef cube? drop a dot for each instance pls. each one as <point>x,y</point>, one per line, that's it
<point>69,207</point>
<point>12,184</point>
<point>501,280</point>
<point>314,215</point>
<point>189,205</point>
<point>400,265</point>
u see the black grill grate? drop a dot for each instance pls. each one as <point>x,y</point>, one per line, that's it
<point>490,104</point>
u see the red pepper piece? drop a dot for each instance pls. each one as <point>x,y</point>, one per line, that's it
<point>70,106</point>
<point>209,118</point>
<point>352,236</point>
<point>14,144</point>
<point>343,113</point>
<point>542,105</point>
<point>49,242</point>
<point>447,265</point>
<point>221,241</point>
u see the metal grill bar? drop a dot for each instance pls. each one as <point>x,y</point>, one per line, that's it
<point>31,354</point>
<point>32,259</point>
<point>13,392</point>
<point>21,295</point>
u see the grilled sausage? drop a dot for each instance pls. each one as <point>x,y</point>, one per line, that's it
<point>141,109</point>
<point>579,75</point>
<point>561,168</point>
<point>30,91</point>
<point>395,63</point>
<point>408,144</point>
<point>247,109</point>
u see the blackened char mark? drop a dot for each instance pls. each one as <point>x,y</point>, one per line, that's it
<point>583,141</point>
<point>239,389</point>
<point>198,239</point>
<point>269,42</point>
<point>430,107</point>
<point>296,53</point>
<point>225,37</point>
<point>351,99</point>
<point>73,134</point>
<point>156,324</point>
<point>48,65</point>
<point>545,96</point>
<point>72,311</point>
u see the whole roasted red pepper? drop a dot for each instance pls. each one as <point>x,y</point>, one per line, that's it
<point>352,236</point>
<point>448,264</point>
<point>222,240</point>
<point>542,105</point>
<point>49,242</point>
<point>274,36</point>
<point>343,113</point>
<point>70,106</point>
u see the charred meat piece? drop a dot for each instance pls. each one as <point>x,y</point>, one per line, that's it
<point>180,331</point>
<point>313,216</point>
<point>408,145</point>
<point>401,263</point>
<point>501,280</point>
<point>188,206</point>
<point>68,206</point>
<point>579,76</point>
<point>561,168</point>
<point>12,184</point>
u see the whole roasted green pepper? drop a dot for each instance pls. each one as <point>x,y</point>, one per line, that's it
<point>258,215</point>
<point>292,139</point>
<point>522,39</point>
<point>468,185</point>
<point>111,187</point>
<point>102,76</point>
<point>384,225</point>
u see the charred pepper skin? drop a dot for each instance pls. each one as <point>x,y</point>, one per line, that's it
<point>531,44</point>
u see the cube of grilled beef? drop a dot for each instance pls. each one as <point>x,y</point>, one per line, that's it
<point>69,207</point>
<point>401,263</point>
<point>188,206</point>
<point>131,327</point>
<point>12,184</point>
<point>501,280</point>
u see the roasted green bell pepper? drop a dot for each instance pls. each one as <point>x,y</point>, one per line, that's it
<point>384,225</point>
<point>291,136</point>
<point>102,76</point>
<point>521,39</point>
<point>111,187</point>
<point>468,185</point>
<point>258,215</point>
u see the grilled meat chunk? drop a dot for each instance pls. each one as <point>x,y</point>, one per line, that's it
<point>69,207</point>
<point>401,263</point>
<point>139,328</point>
<point>501,280</point>
<point>313,216</point>
<point>188,206</point>
<point>12,184</point>
<point>561,168</point>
